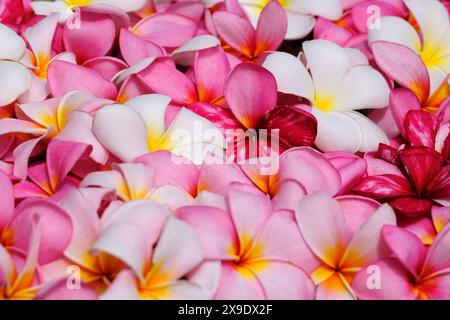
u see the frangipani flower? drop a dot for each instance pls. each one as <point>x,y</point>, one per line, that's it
<point>249,42</point>
<point>256,108</point>
<point>339,81</point>
<point>17,224</point>
<point>65,119</point>
<point>420,62</point>
<point>256,247</point>
<point>19,276</point>
<point>51,179</point>
<point>164,267</point>
<point>289,184</point>
<point>39,58</point>
<point>14,77</point>
<point>342,242</point>
<point>426,181</point>
<point>412,272</point>
<point>300,14</point>
<point>145,130</point>
<point>135,181</point>
<point>65,7</point>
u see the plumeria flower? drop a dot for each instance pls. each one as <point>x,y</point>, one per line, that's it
<point>89,247</point>
<point>135,181</point>
<point>336,81</point>
<point>40,56</point>
<point>17,224</point>
<point>397,44</point>
<point>19,272</point>
<point>300,14</point>
<point>333,173</point>
<point>14,77</point>
<point>413,272</point>
<point>65,7</point>
<point>343,245</point>
<point>165,265</point>
<point>51,178</point>
<point>248,41</point>
<point>145,130</point>
<point>210,69</point>
<point>425,181</point>
<point>147,263</point>
<point>256,108</point>
<point>359,16</point>
<point>255,245</point>
<point>66,119</point>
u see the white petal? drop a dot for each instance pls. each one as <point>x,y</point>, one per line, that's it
<point>45,8</point>
<point>122,131</point>
<point>172,196</point>
<point>337,132</point>
<point>328,64</point>
<point>299,25</point>
<point>15,79</point>
<point>433,20</point>
<point>372,135</point>
<point>129,5</point>
<point>13,47</point>
<point>40,38</point>
<point>178,250</point>
<point>291,75</point>
<point>330,9</point>
<point>397,30</point>
<point>362,88</point>
<point>437,76</point>
<point>184,55</point>
<point>152,109</point>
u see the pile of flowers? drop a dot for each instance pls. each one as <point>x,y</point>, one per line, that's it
<point>232,149</point>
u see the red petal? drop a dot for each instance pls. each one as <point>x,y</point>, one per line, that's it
<point>419,128</point>
<point>297,127</point>
<point>422,165</point>
<point>388,153</point>
<point>440,186</point>
<point>411,206</point>
<point>384,187</point>
<point>220,117</point>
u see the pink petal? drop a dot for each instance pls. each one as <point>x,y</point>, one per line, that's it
<point>61,158</point>
<point>236,32</point>
<point>166,171</point>
<point>271,28</point>
<point>241,198</point>
<point>55,223</point>
<point>248,102</point>
<point>94,39</point>
<point>166,29</point>
<point>233,285</point>
<point>401,102</point>
<point>438,258</point>
<point>214,228</point>
<point>211,67</point>
<point>134,48</point>
<point>64,77</point>
<point>407,248</point>
<point>318,174</point>
<point>7,200</point>
<point>404,66</point>
<point>394,282</point>
<point>357,210</point>
<point>323,227</point>
<point>164,78</point>
<point>351,168</point>
<point>108,67</point>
